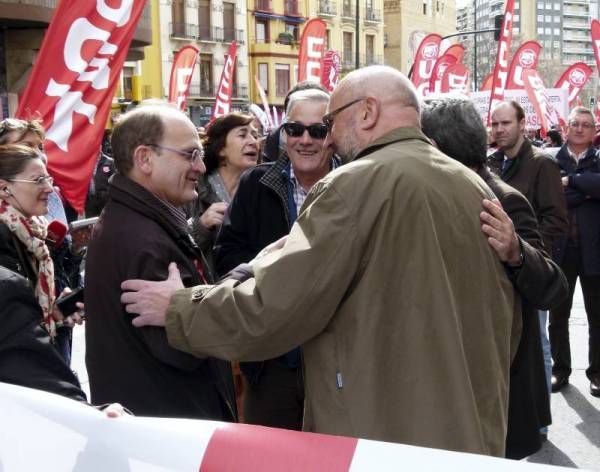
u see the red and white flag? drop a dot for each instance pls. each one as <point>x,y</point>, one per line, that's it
<point>225,90</point>
<point>312,48</point>
<point>425,59</point>
<point>500,76</point>
<point>330,72</point>
<point>456,79</point>
<point>574,79</point>
<point>453,55</point>
<point>181,74</point>
<point>536,91</point>
<point>595,31</point>
<point>263,99</point>
<point>72,84</point>
<point>526,57</point>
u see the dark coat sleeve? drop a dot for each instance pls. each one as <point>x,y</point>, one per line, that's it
<point>587,184</point>
<point>233,245</point>
<point>146,266</point>
<point>539,280</point>
<point>552,208</point>
<point>27,357</point>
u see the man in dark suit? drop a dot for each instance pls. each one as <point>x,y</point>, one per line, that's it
<point>510,224</point>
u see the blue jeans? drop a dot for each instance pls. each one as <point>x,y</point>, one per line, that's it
<point>543,315</point>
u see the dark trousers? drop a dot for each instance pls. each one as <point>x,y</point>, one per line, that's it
<point>559,317</point>
<point>277,399</point>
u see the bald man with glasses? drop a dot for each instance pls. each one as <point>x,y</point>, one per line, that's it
<point>158,157</point>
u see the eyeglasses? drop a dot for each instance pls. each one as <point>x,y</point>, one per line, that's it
<point>295,130</point>
<point>40,181</point>
<point>584,125</point>
<point>194,156</point>
<point>328,118</point>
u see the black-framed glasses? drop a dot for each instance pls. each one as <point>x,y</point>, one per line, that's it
<point>194,156</point>
<point>578,124</point>
<point>328,118</point>
<point>40,181</point>
<point>315,131</point>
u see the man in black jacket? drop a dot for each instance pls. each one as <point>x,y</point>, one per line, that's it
<point>158,157</point>
<point>578,253</point>
<point>456,128</point>
<point>267,202</point>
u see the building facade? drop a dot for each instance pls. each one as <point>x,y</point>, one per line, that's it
<point>23,24</point>
<point>211,25</point>
<point>408,21</point>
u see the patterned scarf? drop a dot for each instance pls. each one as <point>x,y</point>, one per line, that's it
<point>32,233</point>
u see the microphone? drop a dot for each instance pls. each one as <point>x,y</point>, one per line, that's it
<point>57,231</point>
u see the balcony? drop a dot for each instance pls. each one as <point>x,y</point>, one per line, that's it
<point>372,16</point>
<point>576,13</point>
<point>231,34</point>
<point>576,50</point>
<point>183,30</point>
<point>263,5</point>
<point>327,8</point>
<point>207,33</point>
<point>290,8</point>
<point>348,12</point>
<point>240,91</point>
<point>572,24</point>
<point>206,90</point>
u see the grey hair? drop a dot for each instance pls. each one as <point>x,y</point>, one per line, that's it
<point>312,95</point>
<point>457,129</point>
<point>581,111</point>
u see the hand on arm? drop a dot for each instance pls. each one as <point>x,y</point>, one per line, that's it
<point>214,215</point>
<point>500,231</point>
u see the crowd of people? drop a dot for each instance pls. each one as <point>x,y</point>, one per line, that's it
<point>374,268</point>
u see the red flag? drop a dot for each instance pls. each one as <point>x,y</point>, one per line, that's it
<point>72,85</point>
<point>453,55</point>
<point>456,50</point>
<point>181,74</point>
<point>487,82</point>
<point>501,69</point>
<point>574,79</point>
<point>312,47</point>
<point>330,72</point>
<point>595,29</point>
<point>456,79</point>
<point>425,59</point>
<point>526,57</point>
<point>225,91</point>
<point>536,91</point>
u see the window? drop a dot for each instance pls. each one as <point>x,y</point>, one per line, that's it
<point>328,40</point>
<point>557,6</point>
<point>204,20</point>
<point>548,31</point>
<point>206,75</point>
<point>556,31</point>
<point>540,30</point>
<point>228,21</point>
<point>557,19</point>
<point>292,29</point>
<point>178,18</point>
<point>347,51</point>
<point>128,73</point>
<point>540,18</point>
<point>370,48</point>
<point>262,31</point>
<point>263,76</point>
<point>556,44</point>
<point>282,79</point>
<point>548,18</point>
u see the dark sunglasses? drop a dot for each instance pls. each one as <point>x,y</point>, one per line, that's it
<point>295,130</point>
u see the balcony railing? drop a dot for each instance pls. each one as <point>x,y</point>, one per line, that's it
<point>206,90</point>
<point>576,13</point>
<point>372,15</point>
<point>184,30</point>
<point>240,90</point>
<point>327,8</point>
<point>575,24</point>
<point>230,34</point>
<point>371,59</point>
<point>208,33</point>
<point>290,8</point>
<point>348,11</point>
<point>263,5</point>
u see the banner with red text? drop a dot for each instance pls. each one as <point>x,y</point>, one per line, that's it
<point>525,58</point>
<point>574,79</point>
<point>456,80</point>
<point>453,55</point>
<point>181,74</point>
<point>330,71</point>
<point>312,48</point>
<point>225,90</point>
<point>595,31</point>
<point>72,84</point>
<point>536,91</point>
<point>501,68</point>
<point>425,60</point>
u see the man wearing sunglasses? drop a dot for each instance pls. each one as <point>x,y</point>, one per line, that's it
<point>267,203</point>
<point>158,158</point>
<point>385,281</point>
<point>578,253</point>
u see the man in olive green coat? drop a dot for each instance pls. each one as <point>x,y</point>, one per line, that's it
<point>386,280</point>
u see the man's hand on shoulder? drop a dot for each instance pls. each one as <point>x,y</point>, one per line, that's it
<point>150,300</point>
